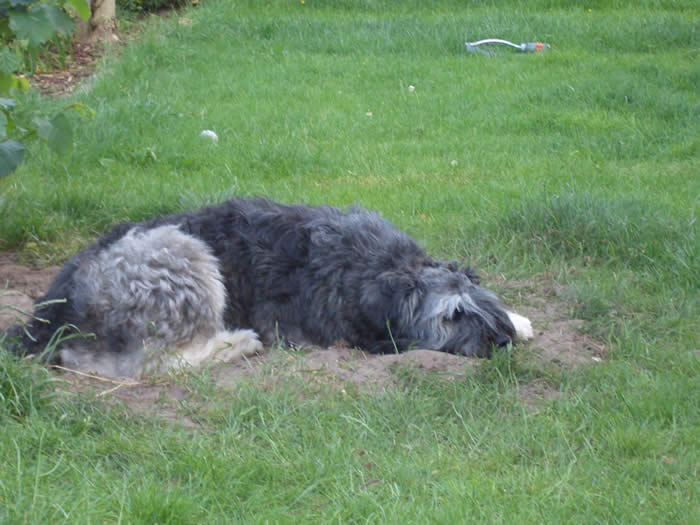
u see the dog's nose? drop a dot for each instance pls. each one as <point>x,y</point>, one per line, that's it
<point>502,341</point>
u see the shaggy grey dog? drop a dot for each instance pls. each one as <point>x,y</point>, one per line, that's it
<point>167,292</point>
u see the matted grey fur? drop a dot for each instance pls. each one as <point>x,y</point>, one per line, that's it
<point>188,288</point>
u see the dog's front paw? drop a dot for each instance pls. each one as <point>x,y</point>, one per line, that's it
<point>523,326</point>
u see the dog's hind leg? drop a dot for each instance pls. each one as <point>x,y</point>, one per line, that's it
<point>158,299</point>
<point>224,347</point>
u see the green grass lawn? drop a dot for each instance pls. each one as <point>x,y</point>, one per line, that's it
<point>579,166</point>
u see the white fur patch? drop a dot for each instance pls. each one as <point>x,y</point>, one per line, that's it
<point>224,347</point>
<point>523,327</point>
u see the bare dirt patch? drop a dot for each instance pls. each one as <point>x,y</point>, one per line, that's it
<point>20,286</point>
<point>340,367</point>
<point>559,338</point>
<point>559,341</point>
<point>63,79</point>
<point>162,398</point>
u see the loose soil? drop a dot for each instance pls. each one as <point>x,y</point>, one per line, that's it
<point>79,66</point>
<point>559,342</point>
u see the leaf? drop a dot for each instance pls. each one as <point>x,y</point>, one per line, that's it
<point>57,133</point>
<point>5,34</point>
<point>6,82</point>
<point>7,123</point>
<point>82,7</point>
<point>62,23</point>
<point>3,125</point>
<point>9,61</point>
<point>33,25</point>
<point>7,103</point>
<point>11,156</point>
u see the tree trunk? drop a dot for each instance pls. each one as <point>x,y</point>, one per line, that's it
<point>102,24</point>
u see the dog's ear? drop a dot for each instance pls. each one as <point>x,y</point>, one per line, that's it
<point>471,275</point>
<point>465,270</point>
<point>387,298</point>
<point>398,282</point>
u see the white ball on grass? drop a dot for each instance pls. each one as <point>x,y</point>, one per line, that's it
<point>209,134</point>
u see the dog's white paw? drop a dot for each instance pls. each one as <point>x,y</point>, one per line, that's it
<point>523,326</point>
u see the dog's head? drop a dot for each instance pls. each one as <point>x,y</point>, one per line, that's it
<point>450,312</point>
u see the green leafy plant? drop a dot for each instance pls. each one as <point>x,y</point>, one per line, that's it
<point>27,24</point>
<point>11,151</point>
<point>24,26</point>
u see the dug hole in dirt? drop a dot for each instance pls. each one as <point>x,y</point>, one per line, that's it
<point>559,341</point>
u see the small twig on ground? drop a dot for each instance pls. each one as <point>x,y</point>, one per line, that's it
<point>113,389</point>
<point>98,378</point>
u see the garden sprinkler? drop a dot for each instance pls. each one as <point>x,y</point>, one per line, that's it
<point>526,47</point>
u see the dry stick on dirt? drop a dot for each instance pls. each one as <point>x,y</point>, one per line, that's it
<point>98,378</point>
